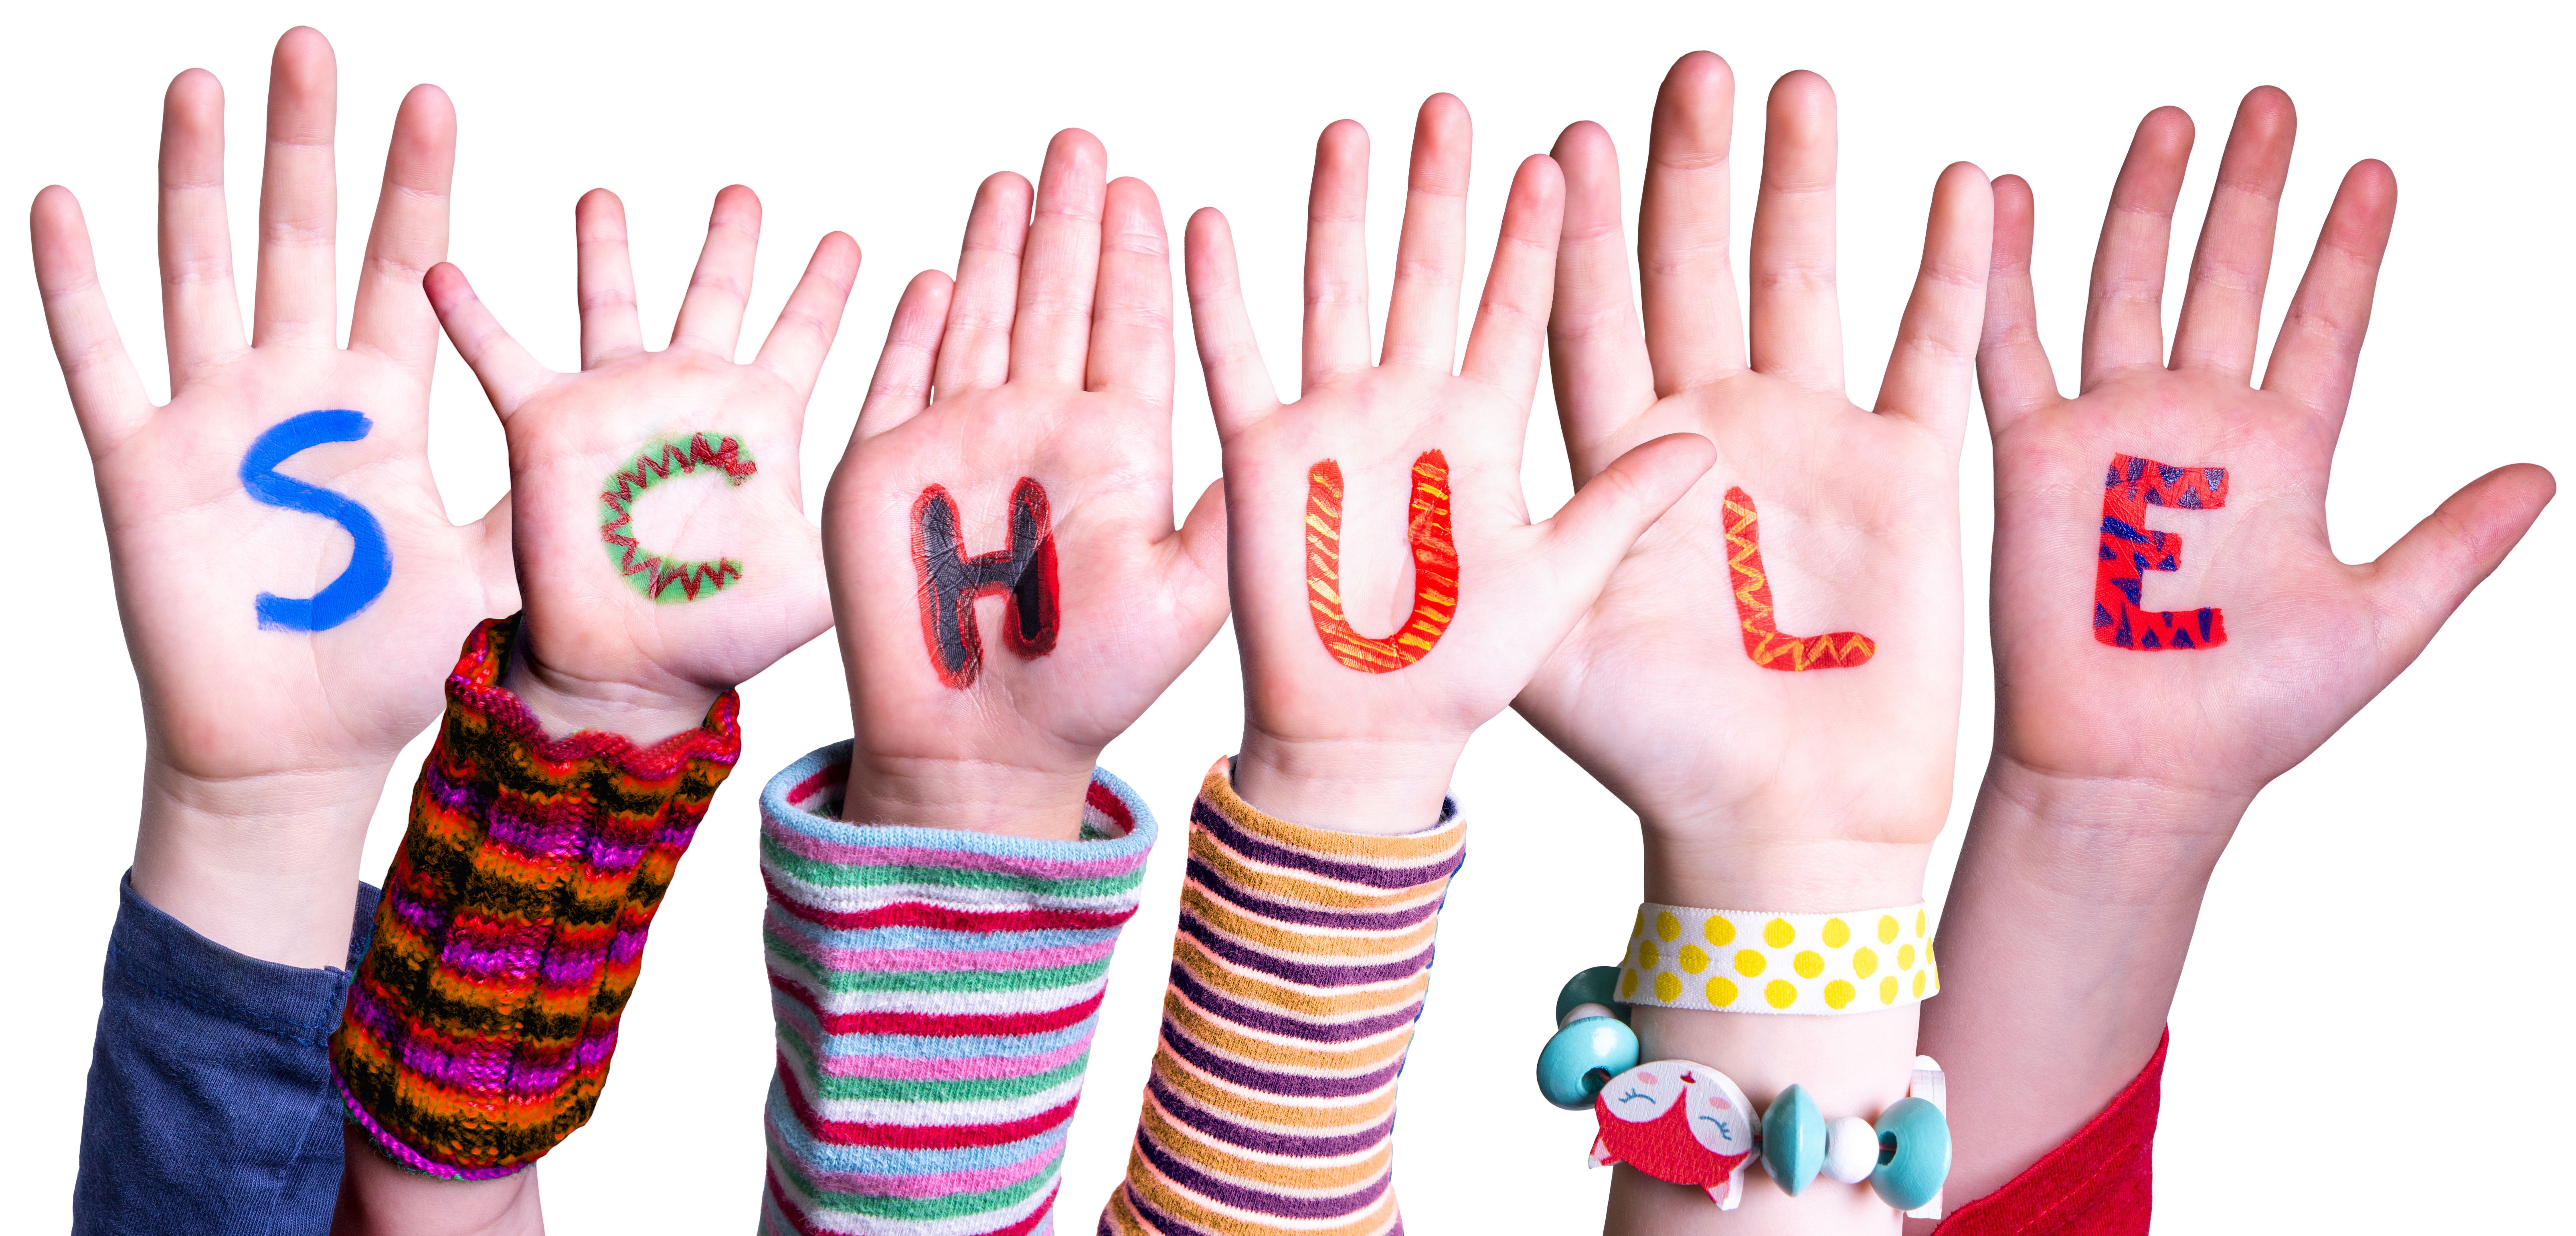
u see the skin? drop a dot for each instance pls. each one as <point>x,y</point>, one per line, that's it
<point>2087,814</point>
<point>596,654</point>
<point>1819,790</point>
<point>1323,744</point>
<point>266,750</point>
<point>1048,357</point>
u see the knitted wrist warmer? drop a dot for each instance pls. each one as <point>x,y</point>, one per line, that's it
<point>1302,962</point>
<point>935,993</point>
<point>479,1027</point>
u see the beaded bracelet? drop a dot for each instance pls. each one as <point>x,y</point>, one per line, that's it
<point>1683,1122</point>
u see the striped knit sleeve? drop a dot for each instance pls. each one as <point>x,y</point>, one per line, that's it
<point>935,994</point>
<point>1301,965</point>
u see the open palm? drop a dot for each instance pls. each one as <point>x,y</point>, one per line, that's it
<point>2281,642</point>
<point>1390,591</point>
<point>1025,412</point>
<point>661,538</point>
<point>1775,661</point>
<point>291,587</point>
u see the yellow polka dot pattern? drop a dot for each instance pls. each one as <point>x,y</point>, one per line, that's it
<point>1750,961</point>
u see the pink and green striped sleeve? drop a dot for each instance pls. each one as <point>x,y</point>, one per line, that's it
<point>1303,959</point>
<point>935,994</point>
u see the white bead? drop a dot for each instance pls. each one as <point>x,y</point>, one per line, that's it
<point>1851,1149</point>
<point>1581,1011</point>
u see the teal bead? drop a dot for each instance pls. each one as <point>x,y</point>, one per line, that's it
<point>1793,1140</point>
<point>1598,985</point>
<point>1582,1058</point>
<point>1913,1154</point>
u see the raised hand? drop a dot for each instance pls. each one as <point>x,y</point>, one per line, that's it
<point>1010,590</point>
<point>291,587</point>
<point>1390,591</point>
<point>1771,679</point>
<point>2098,682</point>
<point>661,539</point>
<point>2172,628</point>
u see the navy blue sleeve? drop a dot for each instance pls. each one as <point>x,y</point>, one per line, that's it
<point>210,1109</point>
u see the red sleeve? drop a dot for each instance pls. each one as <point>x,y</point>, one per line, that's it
<point>2101,1182</point>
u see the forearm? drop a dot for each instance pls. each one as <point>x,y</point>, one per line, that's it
<point>1853,1064</point>
<point>1302,963</point>
<point>935,990</point>
<point>268,866</point>
<point>380,1199</point>
<point>2061,945</point>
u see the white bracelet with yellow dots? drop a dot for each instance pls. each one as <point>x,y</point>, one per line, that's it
<point>1758,961</point>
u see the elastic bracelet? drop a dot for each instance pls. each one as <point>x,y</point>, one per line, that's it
<point>1758,961</point>
<point>1683,1122</point>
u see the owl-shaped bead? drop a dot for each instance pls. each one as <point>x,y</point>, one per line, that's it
<point>1678,1121</point>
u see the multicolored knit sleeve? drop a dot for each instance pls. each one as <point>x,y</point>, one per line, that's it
<point>935,994</point>
<point>479,1027</point>
<point>1302,963</point>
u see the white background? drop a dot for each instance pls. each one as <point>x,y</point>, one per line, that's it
<point>2382,970</point>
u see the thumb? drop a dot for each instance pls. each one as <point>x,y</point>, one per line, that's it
<point>1594,530</point>
<point>1197,568</point>
<point>2424,576</point>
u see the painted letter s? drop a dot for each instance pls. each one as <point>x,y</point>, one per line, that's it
<point>370,562</point>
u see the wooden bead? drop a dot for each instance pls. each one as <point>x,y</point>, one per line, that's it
<point>1793,1140</point>
<point>1579,1059</point>
<point>1598,985</point>
<point>1851,1149</point>
<point>1913,1155</point>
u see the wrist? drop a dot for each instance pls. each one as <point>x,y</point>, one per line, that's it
<point>568,703</point>
<point>1378,787</point>
<point>1037,800</point>
<point>266,866</point>
<point>2124,841</point>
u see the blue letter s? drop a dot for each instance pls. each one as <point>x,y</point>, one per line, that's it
<point>370,563</point>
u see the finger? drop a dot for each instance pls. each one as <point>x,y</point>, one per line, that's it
<point>605,285</point>
<point>2320,341</point>
<point>2124,326</point>
<point>1596,347</point>
<point>1694,329</point>
<point>1510,334</point>
<point>107,393</point>
<point>1131,318</point>
<point>1431,251</point>
<point>1594,529</point>
<point>297,300</point>
<point>1929,374</point>
<point>509,375</point>
<point>1337,298</point>
<point>1796,319</point>
<point>901,387</point>
<point>1051,329</point>
<point>1238,384</point>
<point>720,287</point>
<point>977,349</point>
<point>2012,369</point>
<point>2222,310</point>
<point>390,316</point>
<point>2417,584</point>
<point>200,310</point>
<point>806,325</point>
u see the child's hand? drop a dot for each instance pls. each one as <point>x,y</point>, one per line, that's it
<point>2203,648</point>
<point>1009,588</point>
<point>291,588</point>
<point>1777,699</point>
<point>2157,666</point>
<point>1367,666</point>
<point>661,539</point>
